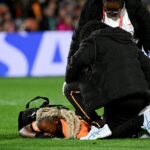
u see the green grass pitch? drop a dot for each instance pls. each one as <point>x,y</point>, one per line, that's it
<point>15,93</point>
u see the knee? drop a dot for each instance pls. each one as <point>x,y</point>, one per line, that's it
<point>67,90</point>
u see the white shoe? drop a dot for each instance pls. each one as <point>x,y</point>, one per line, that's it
<point>146,124</point>
<point>144,135</point>
<point>93,130</point>
<point>97,133</point>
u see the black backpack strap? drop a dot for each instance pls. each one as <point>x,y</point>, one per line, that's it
<point>45,103</point>
<point>59,106</point>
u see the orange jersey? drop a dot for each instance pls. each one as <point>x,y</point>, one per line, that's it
<point>84,129</point>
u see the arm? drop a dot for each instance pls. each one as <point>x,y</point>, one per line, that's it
<point>92,10</point>
<point>74,43</point>
<point>32,131</point>
<point>141,15</point>
<point>27,132</point>
<point>82,59</point>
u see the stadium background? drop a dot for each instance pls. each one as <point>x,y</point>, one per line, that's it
<point>34,42</point>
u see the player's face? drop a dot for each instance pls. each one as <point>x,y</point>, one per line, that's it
<point>113,9</point>
<point>48,126</point>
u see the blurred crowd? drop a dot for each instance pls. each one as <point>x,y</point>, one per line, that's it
<point>40,15</point>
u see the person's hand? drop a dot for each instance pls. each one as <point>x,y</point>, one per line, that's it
<point>47,135</point>
<point>63,88</point>
<point>44,135</point>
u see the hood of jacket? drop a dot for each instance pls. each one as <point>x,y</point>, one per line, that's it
<point>97,28</point>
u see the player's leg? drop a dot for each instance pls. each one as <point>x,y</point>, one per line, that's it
<point>122,116</point>
<point>72,92</point>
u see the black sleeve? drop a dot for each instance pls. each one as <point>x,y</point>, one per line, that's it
<point>92,10</point>
<point>144,22</point>
<point>142,17</point>
<point>82,59</point>
<point>74,46</point>
<point>145,65</point>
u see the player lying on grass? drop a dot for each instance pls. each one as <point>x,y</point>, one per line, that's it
<point>53,122</point>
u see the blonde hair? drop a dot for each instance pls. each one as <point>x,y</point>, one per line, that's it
<point>73,121</point>
<point>47,112</point>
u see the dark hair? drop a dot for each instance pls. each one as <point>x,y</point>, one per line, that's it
<point>118,1</point>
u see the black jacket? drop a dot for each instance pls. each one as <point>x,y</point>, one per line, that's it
<point>93,10</point>
<point>116,67</point>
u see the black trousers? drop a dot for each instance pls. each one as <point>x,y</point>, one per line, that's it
<point>72,92</point>
<point>121,115</point>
